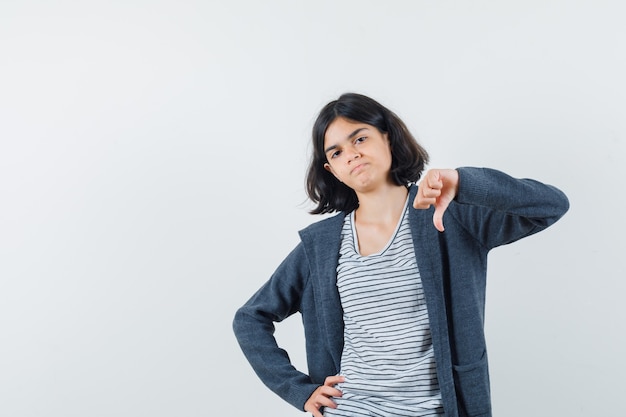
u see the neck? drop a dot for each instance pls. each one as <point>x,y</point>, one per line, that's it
<point>383,205</point>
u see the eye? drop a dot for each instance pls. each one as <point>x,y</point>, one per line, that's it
<point>360,139</point>
<point>335,154</point>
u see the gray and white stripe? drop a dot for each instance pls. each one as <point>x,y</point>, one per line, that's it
<point>388,359</point>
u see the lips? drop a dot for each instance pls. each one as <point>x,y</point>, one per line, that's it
<point>357,168</point>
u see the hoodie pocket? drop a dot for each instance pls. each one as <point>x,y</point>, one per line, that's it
<point>472,388</point>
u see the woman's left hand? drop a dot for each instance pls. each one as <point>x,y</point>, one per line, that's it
<point>437,188</point>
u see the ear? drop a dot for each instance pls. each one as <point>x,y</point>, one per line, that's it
<point>328,168</point>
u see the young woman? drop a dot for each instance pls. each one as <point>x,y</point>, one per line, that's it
<point>392,289</point>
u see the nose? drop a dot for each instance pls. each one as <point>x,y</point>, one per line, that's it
<point>353,154</point>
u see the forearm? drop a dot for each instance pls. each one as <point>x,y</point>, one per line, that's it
<point>269,361</point>
<point>498,209</point>
<point>521,197</point>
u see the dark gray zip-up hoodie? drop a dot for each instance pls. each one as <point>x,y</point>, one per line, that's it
<point>490,209</point>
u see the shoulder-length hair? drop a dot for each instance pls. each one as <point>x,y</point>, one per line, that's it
<point>408,158</point>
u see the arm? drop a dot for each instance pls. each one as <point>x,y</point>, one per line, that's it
<point>254,328</point>
<point>491,205</point>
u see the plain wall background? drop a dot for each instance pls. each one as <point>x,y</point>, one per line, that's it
<point>152,161</point>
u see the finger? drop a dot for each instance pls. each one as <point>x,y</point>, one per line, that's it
<point>428,192</point>
<point>422,203</point>
<point>314,404</point>
<point>316,413</point>
<point>440,209</point>
<point>322,396</point>
<point>326,402</point>
<point>419,205</point>
<point>433,179</point>
<point>319,400</point>
<point>334,380</point>
<point>438,220</point>
<point>422,200</point>
<point>425,196</point>
<point>327,392</point>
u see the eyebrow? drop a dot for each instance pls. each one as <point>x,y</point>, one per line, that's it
<point>350,136</point>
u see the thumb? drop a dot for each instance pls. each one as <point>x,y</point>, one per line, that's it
<point>440,208</point>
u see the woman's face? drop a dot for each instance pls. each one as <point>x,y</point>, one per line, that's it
<point>358,154</point>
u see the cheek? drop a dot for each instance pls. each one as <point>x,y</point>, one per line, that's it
<point>389,156</point>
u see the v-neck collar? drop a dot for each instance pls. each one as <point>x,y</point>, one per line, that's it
<point>355,238</point>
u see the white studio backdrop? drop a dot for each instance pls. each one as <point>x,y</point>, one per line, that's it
<point>152,161</point>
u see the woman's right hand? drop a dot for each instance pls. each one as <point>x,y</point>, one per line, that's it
<point>438,188</point>
<point>322,396</point>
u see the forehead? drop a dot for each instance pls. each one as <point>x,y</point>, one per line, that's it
<point>341,129</point>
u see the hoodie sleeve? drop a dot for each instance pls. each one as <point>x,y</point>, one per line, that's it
<point>254,328</point>
<point>498,209</point>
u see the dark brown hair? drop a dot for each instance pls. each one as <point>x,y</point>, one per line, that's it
<point>408,158</point>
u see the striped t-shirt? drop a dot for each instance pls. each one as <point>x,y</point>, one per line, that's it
<point>387,359</point>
